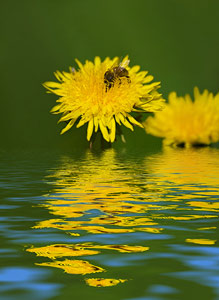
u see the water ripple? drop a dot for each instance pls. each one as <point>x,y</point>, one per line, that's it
<point>145,224</point>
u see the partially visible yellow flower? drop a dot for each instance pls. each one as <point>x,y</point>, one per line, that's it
<point>87,97</point>
<point>186,122</point>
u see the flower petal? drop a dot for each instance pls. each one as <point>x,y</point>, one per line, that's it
<point>133,121</point>
<point>96,124</point>
<point>81,122</point>
<point>112,130</point>
<point>104,131</point>
<point>125,122</point>
<point>68,126</point>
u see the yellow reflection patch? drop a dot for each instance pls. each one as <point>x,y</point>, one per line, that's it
<point>103,282</point>
<point>101,229</point>
<point>122,221</point>
<point>122,248</point>
<point>150,229</point>
<point>203,205</point>
<point>61,250</point>
<point>73,266</point>
<point>206,228</point>
<point>188,217</point>
<point>66,211</point>
<point>201,241</point>
<point>57,224</point>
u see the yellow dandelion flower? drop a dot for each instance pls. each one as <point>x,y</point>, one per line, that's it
<point>103,95</point>
<point>186,122</point>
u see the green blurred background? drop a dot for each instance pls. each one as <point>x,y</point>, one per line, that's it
<point>176,40</point>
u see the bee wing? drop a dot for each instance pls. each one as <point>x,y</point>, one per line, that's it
<point>125,62</point>
<point>120,62</point>
<point>115,62</point>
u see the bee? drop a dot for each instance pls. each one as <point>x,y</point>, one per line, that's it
<point>116,73</point>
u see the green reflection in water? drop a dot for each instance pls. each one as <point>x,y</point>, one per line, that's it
<point>139,196</point>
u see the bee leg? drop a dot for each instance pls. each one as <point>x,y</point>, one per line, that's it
<point>128,78</point>
<point>108,85</point>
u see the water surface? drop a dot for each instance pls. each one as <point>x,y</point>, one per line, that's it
<point>112,224</point>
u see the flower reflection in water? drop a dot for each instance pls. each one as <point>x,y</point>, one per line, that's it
<point>93,197</point>
<point>100,197</point>
<point>192,178</point>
